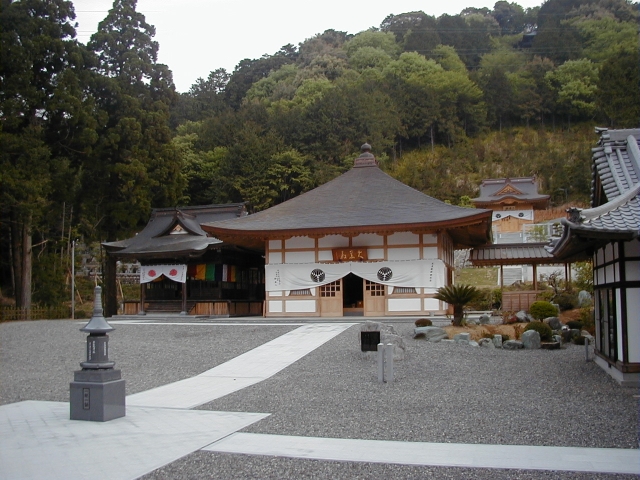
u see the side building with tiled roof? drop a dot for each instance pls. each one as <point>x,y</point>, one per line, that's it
<point>513,201</point>
<point>608,233</point>
<point>361,244</point>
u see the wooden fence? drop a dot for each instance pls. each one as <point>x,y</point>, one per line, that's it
<point>8,314</point>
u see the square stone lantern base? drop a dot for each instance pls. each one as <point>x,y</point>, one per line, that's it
<point>97,395</point>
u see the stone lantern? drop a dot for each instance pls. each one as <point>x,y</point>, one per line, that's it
<point>97,392</point>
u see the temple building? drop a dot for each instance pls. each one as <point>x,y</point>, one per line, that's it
<point>608,235</point>
<point>361,244</point>
<point>184,270</point>
<point>513,201</point>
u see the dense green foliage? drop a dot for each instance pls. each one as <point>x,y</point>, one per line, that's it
<point>458,296</point>
<point>95,136</point>
<point>541,309</point>
<point>543,329</point>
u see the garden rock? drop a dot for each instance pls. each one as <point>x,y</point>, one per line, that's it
<point>586,334</point>
<point>486,343</point>
<point>523,316</point>
<point>484,319</point>
<point>553,322</point>
<point>462,338</point>
<point>512,345</point>
<point>557,338</point>
<point>497,340</point>
<point>471,321</point>
<point>431,334</point>
<point>387,335</point>
<point>473,343</point>
<point>531,340</point>
<point>584,299</point>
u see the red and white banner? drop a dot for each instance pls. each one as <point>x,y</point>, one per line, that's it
<point>177,273</point>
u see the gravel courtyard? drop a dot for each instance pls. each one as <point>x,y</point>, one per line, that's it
<point>442,393</point>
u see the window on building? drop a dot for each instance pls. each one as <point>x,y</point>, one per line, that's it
<point>330,289</point>
<point>374,289</point>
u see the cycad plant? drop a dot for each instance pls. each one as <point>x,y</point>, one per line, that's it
<point>458,296</point>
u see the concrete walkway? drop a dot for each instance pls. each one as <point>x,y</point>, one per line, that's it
<point>573,459</point>
<point>38,441</point>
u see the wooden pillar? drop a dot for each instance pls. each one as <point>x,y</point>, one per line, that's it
<point>110,295</point>
<point>184,299</point>
<point>143,287</point>
<point>535,277</point>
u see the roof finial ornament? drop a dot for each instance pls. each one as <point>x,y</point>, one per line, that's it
<point>366,158</point>
<point>575,215</point>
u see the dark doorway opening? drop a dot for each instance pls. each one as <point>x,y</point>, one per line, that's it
<point>352,295</point>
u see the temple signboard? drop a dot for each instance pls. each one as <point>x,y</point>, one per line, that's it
<point>349,254</point>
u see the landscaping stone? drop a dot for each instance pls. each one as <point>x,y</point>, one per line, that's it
<point>486,343</point>
<point>531,340</point>
<point>497,341</point>
<point>512,345</point>
<point>484,319</point>
<point>431,334</point>
<point>550,345</point>
<point>553,322</point>
<point>387,335</point>
<point>586,334</point>
<point>584,299</point>
<point>557,338</point>
<point>522,316</point>
<point>473,343</point>
<point>398,345</point>
<point>471,321</point>
<point>462,338</point>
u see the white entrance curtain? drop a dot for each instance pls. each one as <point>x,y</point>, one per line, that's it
<point>149,273</point>
<point>428,274</point>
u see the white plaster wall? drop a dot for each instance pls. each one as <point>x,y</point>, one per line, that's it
<point>333,241</point>
<point>368,240</point>
<point>404,304</point>
<point>431,304</point>
<point>299,242</point>
<point>300,257</point>
<point>609,274</point>
<point>275,294</point>
<point>403,253</point>
<point>618,297</point>
<point>300,306</point>
<point>430,238</point>
<point>375,253</point>
<point>633,323</point>
<point>275,244</point>
<point>429,252</point>
<point>325,256</point>
<point>608,252</point>
<point>275,306</point>
<point>274,258</point>
<point>632,270</point>
<point>403,238</point>
<point>599,257</point>
<point>600,276</point>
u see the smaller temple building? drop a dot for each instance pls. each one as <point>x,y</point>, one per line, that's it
<point>513,201</point>
<point>608,235</point>
<point>185,270</point>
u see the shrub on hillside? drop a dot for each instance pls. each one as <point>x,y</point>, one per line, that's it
<point>575,325</point>
<point>423,322</point>
<point>566,301</point>
<point>542,328</point>
<point>542,309</point>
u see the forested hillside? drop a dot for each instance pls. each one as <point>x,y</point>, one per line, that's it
<point>92,137</point>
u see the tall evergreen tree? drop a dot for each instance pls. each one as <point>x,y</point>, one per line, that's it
<point>134,165</point>
<point>45,125</point>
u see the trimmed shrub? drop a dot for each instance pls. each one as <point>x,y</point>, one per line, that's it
<point>575,325</point>
<point>542,309</point>
<point>578,339</point>
<point>566,301</point>
<point>542,328</point>
<point>423,322</point>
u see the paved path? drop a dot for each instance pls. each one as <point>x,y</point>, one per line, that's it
<point>573,459</point>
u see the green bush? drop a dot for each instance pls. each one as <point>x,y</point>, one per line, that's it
<point>542,309</point>
<point>566,301</point>
<point>578,339</point>
<point>542,328</point>
<point>575,325</point>
<point>423,322</point>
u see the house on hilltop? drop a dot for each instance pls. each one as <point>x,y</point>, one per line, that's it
<point>513,201</point>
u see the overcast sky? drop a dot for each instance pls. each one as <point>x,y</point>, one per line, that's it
<point>199,36</point>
